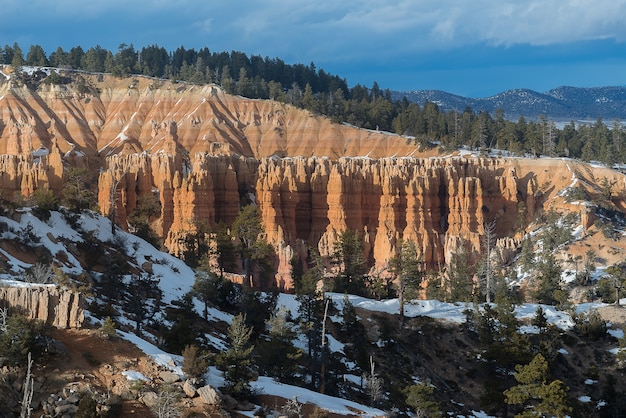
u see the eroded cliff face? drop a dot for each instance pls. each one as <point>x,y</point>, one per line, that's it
<point>440,203</point>
<point>202,153</point>
<point>100,115</point>
<point>59,308</point>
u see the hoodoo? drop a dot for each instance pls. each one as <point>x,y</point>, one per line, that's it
<point>202,153</point>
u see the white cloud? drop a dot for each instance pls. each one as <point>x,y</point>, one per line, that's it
<point>325,28</point>
<point>337,28</point>
<point>554,22</point>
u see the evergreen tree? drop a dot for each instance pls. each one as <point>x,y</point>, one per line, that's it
<point>77,193</point>
<point>6,55</point>
<point>278,356</point>
<point>142,299</point>
<point>195,363</point>
<point>244,84</point>
<point>236,362</point>
<point>227,82</point>
<point>460,272</point>
<point>59,58</point>
<point>255,252</point>
<point>540,320</point>
<point>487,270</point>
<point>310,312</point>
<point>147,210</point>
<point>36,56</point>
<point>204,288</point>
<point>94,59</point>
<point>20,336</point>
<point>223,249</point>
<point>17,59</point>
<point>75,57</point>
<point>349,317</point>
<point>183,331</point>
<point>547,282</point>
<point>405,266</point>
<point>420,398</point>
<point>348,257</point>
<point>536,393</point>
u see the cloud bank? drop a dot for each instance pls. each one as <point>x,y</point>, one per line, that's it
<point>376,34</point>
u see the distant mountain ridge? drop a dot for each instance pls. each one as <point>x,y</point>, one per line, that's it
<point>562,103</point>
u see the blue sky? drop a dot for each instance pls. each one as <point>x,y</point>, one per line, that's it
<point>473,48</point>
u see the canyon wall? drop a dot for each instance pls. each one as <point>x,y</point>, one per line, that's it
<point>97,116</point>
<point>203,153</point>
<point>440,203</point>
<point>59,308</point>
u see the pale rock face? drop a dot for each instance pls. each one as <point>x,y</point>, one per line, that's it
<point>57,307</point>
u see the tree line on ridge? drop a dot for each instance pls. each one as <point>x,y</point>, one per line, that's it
<point>316,90</point>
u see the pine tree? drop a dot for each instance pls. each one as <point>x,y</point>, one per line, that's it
<point>194,362</point>
<point>222,248</point>
<point>539,320</point>
<point>254,251</point>
<point>236,362</point>
<point>348,256</point>
<point>205,290</point>
<point>278,357</point>
<point>36,56</point>
<point>17,60</point>
<point>460,285</point>
<point>310,311</point>
<point>420,397</point>
<point>405,266</point>
<point>536,393</point>
<point>487,268</point>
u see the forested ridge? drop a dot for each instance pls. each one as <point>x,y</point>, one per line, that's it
<point>316,90</point>
<point>490,362</point>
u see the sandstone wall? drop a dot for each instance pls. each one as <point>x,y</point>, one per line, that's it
<point>441,203</point>
<point>59,308</point>
<point>203,153</point>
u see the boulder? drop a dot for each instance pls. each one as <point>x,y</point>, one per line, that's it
<point>149,399</point>
<point>209,395</point>
<point>169,377</point>
<point>66,409</point>
<point>190,389</point>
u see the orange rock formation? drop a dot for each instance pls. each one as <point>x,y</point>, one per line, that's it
<point>200,151</point>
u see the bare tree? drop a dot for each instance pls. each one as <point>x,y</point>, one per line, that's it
<point>27,410</point>
<point>293,407</point>
<point>373,384</point>
<point>39,273</point>
<point>168,403</point>
<point>489,242</point>
<point>4,316</point>
<point>323,366</point>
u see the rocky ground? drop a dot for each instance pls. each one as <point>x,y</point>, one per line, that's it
<point>84,363</point>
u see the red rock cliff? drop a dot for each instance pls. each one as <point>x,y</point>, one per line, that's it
<point>201,151</point>
<point>440,203</point>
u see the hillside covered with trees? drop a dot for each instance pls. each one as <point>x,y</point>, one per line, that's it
<point>314,89</point>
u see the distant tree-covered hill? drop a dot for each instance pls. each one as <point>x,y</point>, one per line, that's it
<point>562,103</point>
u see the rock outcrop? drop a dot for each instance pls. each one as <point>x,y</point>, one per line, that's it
<point>440,203</point>
<point>59,308</point>
<point>100,115</point>
<point>202,153</point>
